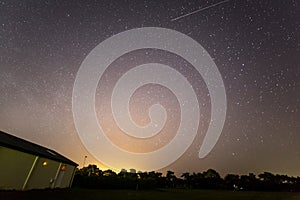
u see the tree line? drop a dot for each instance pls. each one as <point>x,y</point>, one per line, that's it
<point>92,177</point>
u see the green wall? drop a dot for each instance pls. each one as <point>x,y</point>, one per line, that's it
<point>15,167</point>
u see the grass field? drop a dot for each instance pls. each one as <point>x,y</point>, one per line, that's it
<point>82,194</point>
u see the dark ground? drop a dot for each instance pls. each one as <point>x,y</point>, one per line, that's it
<point>81,194</point>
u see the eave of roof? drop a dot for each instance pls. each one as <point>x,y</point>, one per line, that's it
<point>13,142</point>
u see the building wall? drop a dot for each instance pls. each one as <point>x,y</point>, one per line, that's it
<point>43,176</point>
<point>14,168</point>
<point>64,177</point>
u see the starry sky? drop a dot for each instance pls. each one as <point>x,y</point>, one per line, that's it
<point>254,43</point>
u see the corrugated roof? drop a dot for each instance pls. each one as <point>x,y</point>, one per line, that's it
<point>19,144</point>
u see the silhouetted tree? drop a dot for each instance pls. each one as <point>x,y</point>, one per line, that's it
<point>92,177</point>
<point>212,179</point>
<point>249,182</point>
<point>268,181</point>
<point>232,181</point>
<point>170,179</point>
<point>187,179</point>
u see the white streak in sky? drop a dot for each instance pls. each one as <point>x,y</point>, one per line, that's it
<point>196,11</point>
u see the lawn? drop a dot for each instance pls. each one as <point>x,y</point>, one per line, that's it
<point>81,194</point>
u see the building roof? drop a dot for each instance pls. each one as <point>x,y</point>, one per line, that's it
<point>10,141</point>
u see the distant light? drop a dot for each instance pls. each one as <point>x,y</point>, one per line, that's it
<point>45,163</point>
<point>63,168</point>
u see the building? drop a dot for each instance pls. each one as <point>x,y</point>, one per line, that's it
<point>133,171</point>
<point>25,165</point>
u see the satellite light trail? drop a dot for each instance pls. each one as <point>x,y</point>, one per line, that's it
<point>199,10</point>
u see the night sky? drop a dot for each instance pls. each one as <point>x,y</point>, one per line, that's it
<point>254,44</point>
